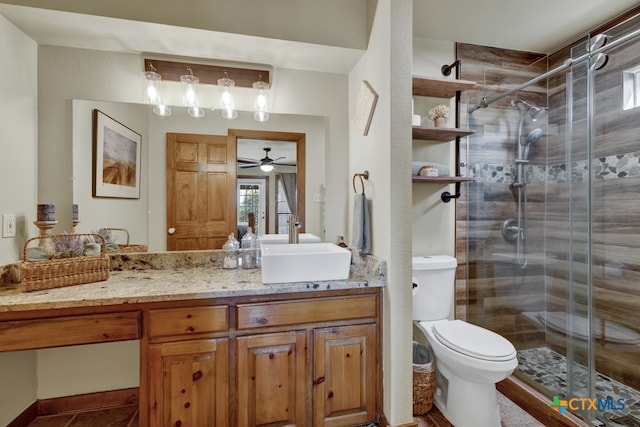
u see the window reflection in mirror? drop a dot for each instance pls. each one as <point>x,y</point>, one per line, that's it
<point>269,176</point>
<point>631,88</point>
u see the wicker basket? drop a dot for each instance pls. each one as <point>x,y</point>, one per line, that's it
<point>127,247</point>
<point>59,272</point>
<point>424,382</point>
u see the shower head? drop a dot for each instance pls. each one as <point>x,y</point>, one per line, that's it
<point>536,113</point>
<point>533,137</point>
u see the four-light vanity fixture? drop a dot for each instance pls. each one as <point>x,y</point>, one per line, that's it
<point>192,76</point>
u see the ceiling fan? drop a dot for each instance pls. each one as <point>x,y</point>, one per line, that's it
<point>266,163</point>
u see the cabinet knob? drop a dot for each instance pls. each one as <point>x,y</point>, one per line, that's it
<point>171,231</point>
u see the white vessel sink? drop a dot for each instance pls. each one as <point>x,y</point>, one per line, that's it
<point>284,238</point>
<point>286,263</point>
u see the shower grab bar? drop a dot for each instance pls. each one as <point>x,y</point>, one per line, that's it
<point>568,63</point>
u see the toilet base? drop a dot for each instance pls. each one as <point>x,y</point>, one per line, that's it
<point>465,403</point>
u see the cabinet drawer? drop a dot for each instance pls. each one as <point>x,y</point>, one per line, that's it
<point>69,330</point>
<point>305,311</point>
<point>192,320</point>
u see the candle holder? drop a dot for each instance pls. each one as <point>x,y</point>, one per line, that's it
<point>45,230</point>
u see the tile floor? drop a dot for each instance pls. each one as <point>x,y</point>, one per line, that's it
<point>127,416</point>
<point>119,416</point>
<point>511,414</point>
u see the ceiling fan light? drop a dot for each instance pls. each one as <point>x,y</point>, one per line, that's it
<point>266,168</point>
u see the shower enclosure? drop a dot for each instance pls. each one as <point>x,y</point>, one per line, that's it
<point>552,220</point>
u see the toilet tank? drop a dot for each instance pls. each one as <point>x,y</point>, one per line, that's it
<point>433,286</point>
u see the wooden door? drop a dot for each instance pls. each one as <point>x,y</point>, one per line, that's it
<point>344,375</point>
<point>189,383</point>
<point>271,380</point>
<point>201,191</point>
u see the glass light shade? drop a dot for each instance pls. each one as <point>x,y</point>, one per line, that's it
<point>162,110</point>
<point>196,111</point>
<point>227,103</point>
<point>261,104</point>
<point>266,168</point>
<point>152,87</point>
<point>189,90</point>
<point>229,113</point>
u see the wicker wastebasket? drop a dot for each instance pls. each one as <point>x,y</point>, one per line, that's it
<point>424,379</point>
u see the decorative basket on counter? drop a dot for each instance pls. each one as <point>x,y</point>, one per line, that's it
<point>127,247</point>
<point>60,272</point>
<point>424,379</point>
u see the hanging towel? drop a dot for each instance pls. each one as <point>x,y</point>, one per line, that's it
<point>361,234</point>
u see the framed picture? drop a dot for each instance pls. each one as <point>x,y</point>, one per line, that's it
<point>116,158</point>
<point>366,105</point>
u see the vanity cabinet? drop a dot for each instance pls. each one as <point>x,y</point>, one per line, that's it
<point>187,375</point>
<point>263,361</point>
<point>188,383</point>
<point>272,379</point>
<point>344,375</point>
<point>441,88</point>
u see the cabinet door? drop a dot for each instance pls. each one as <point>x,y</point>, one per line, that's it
<point>271,380</point>
<point>189,383</point>
<point>344,375</point>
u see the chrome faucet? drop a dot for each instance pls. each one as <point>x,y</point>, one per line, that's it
<point>294,227</point>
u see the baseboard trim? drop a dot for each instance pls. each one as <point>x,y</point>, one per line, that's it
<point>385,423</point>
<point>26,416</point>
<point>79,402</point>
<point>536,404</point>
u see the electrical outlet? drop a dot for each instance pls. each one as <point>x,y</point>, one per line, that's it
<point>8,225</point>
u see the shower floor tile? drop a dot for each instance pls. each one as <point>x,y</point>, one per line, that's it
<point>549,369</point>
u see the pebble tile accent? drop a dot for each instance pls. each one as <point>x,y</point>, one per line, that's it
<point>609,167</point>
<point>549,369</point>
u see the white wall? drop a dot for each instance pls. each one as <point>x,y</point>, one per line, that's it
<point>18,161</point>
<point>18,137</point>
<point>66,371</point>
<point>386,154</point>
<point>433,220</point>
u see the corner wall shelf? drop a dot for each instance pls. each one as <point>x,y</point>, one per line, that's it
<point>438,87</point>
<point>441,179</point>
<point>439,134</point>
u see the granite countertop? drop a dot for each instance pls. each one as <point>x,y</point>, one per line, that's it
<point>173,277</point>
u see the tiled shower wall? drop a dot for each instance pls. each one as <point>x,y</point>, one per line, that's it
<point>498,293</point>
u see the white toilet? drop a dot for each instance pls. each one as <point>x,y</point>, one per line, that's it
<point>469,359</point>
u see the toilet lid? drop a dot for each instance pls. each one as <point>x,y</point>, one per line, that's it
<point>473,341</point>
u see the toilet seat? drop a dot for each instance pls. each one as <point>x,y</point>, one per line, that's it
<point>473,341</point>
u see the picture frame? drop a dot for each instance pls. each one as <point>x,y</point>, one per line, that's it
<point>365,107</point>
<point>116,158</point>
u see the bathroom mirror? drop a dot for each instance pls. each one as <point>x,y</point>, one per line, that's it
<point>145,218</point>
